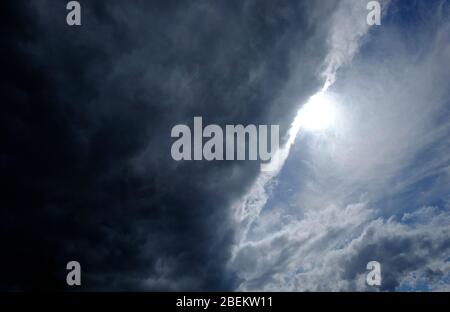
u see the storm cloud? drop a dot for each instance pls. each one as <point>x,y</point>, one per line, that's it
<point>86,119</point>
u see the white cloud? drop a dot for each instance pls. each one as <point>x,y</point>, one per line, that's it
<point>329,250</point>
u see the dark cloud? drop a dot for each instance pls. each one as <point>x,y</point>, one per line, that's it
<point>86,118</point>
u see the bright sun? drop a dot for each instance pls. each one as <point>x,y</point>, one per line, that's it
<point>317,114</point>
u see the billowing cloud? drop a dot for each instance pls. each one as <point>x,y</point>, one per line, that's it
<point>329,249</point>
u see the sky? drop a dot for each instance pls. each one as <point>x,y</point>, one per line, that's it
<point>87,173</point>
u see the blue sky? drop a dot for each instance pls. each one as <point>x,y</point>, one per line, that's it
<point>375,185</point>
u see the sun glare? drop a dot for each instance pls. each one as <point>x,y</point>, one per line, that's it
<point>318,113</point>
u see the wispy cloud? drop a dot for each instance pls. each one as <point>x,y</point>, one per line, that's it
<point>358,187</point>
<point>347,27</point>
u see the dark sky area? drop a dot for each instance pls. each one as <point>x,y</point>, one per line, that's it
<point>86,119</point>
